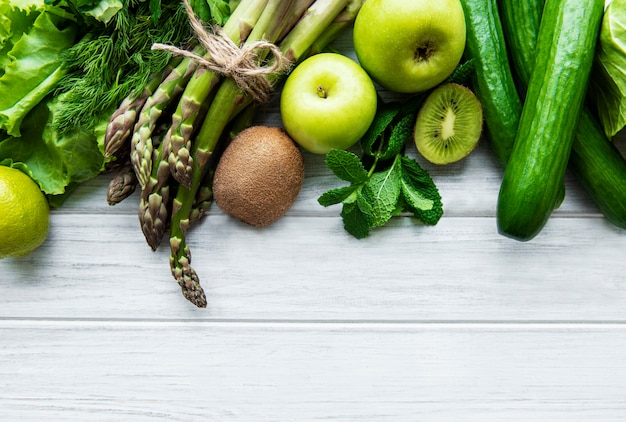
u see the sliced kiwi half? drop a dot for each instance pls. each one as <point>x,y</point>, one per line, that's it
<point>449,124</point>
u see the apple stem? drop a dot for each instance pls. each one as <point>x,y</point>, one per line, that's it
<point>321,92</point>
<point>424,51</point>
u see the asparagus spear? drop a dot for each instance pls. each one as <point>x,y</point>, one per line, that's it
<point>154,202</point>
<point>299,9</point>
<point>122,121</point>
<point>122,185</point>
<point>199,89</point>
<point>228,101</point>
<point>153,166</point>
<point>296,44</point>
<point>341,22</point>
<point>153,212</point>
<point>170,88</point>
<point>270,25</point>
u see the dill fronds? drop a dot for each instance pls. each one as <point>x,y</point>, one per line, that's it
<point>114,61</point>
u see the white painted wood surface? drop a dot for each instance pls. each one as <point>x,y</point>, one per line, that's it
<point>304,323</point>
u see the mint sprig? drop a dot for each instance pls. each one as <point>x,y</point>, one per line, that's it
<point>383,182</point>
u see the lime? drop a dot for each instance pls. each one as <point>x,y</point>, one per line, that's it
<point>24,214</point>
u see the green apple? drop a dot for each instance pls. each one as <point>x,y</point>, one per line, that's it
<point>409,46</point>
<point>328,101</point>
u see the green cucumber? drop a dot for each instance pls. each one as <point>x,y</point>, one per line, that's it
<point>594,160</point>
<point>520,25</point>
<point>534,176</point>
<point>492,81</point>
<point>600,169</point>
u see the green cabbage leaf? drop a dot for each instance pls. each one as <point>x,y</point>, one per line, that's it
<point>608,81</point>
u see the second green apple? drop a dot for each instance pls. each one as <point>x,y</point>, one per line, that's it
<point>409,46</point>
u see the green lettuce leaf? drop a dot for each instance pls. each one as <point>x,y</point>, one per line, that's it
<point>14,22</point>
<point>608,81</point>
<point>34,66</point>
<point>104,10</point>
<point>54,161</point>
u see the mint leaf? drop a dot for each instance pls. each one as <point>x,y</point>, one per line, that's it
<point>384,182</point>
<point>355,221</point>
<point>413,198</point>
<point>392,127</point>
<point>463,72</point>
<point>336,196</point>
<point>384,117</point>
<point>346,166</point>
<point>414,178</point>
<point>400,134</point>
<point>364,204</point>
<point>382,192</point>
<point>420,185</point>
<point>415,173</point>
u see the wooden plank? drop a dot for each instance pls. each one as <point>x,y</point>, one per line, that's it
<point>308,268</point>
<point>142,371</point>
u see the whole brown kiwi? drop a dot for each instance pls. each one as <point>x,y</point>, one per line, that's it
<point>259,176</point>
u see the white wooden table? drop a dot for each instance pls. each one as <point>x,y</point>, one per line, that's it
<point>305,323</point>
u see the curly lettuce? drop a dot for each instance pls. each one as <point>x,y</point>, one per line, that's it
<point>33,38</point>
<point>608,82</point>
<point>55,161</point>
<point>102,11</point>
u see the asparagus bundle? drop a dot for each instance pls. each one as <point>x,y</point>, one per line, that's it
<point>180,124</point>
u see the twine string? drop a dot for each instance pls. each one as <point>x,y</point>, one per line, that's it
<point>226,58</point>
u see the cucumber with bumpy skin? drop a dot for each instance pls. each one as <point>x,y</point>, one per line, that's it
<point>594,160</point>
<point>492,81</point>
<point>600,168</point>
<point>520,25</point>
<point>534,175</point>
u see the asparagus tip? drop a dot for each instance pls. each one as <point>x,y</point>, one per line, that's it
<point>189,282</point>
<point>121,186</point>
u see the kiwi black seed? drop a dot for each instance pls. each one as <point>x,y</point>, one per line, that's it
<point>449,124</point>
<point>259,175</point>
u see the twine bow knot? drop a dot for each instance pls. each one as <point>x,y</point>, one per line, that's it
<point>225,57</point>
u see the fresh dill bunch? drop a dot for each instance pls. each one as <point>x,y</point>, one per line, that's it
<point>113,61</point>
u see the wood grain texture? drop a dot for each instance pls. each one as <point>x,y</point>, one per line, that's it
<point>99,266</point>
<point>311,372</point>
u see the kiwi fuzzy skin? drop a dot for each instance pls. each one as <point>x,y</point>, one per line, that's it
<point>259,175</point>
